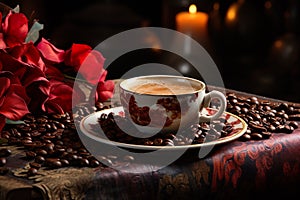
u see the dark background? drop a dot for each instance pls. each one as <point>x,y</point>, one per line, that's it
<point>259,54</point>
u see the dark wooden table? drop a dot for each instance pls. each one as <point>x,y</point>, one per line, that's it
<point>234,170</point>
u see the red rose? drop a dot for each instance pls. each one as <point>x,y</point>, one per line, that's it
<point>60,98</point>
<point>15,29</point>
<point>89,62</point>
<point>30,76</point>
<point>105,89</point>
<point>50,53</point>
<point>79,57</point>
<point>27,53</point>
<point>13,98</point>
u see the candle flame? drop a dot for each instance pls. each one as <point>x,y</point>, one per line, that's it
<point>193,9</point>
<point>231,13</point>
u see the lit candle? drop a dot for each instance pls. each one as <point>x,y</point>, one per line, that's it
<point>193,23</point>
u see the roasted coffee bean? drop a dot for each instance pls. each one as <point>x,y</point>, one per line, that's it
<point>30,154</point>
<point>5,152</point>
<point>49,147</point>
<point>32,171</point>
<point>293,124</point>
<point>158,141</point>
<point>148,142</point>
<point>53,162</point>
<point>40,159</point>
<point>256,136</point>
<point>94,163</point>
<point>246,137</point>
<point>285,128</point>
<point>64,162</point>
<point>35,165</point>
<point>84,162</point>
<point>168,142</point>
<point>41,152</point>
<point>258,128</point>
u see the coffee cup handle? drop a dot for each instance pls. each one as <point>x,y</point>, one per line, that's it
<point>207,99</point>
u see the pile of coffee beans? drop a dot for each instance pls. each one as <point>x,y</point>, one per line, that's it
<point>263,117</point>
<point>196,134</point>
<point>51,141</point>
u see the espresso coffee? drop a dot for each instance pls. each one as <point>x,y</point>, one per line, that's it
<point>164,88</point>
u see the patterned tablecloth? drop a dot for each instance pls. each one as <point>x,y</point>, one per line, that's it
<point>234,170</point>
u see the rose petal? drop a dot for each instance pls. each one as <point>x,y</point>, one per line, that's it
<point>50,52</point>
<point>52,107</point>
<point>87,61</point>
<point>29,54</point>
<point>77,54</point>
<point>54,73</point>
<point>4,85</point>
<point>14,107</point>
<point>60,98</point>
<point>2,42</point>
<point>41,90</point>
<point>2,122</point>
<point>15,28</point>
<point>91,70</point>
<point>28,74</point>
<point>105,91</point>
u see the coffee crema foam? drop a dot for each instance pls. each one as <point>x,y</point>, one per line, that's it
<point>164,88</point>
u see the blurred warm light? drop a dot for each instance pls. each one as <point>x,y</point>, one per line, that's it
<point>193,9</point>
<point>231,13</point>
<point>153,40</point>
<point>278,44</point>
<point>216,6</point>
<point>268,5</point>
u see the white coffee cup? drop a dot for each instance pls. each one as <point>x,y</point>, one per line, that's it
<point>165,103</point>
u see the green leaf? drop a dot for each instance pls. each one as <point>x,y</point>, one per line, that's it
<point>33,34</point>
<point>16,9</point>
<point>8,121</point>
